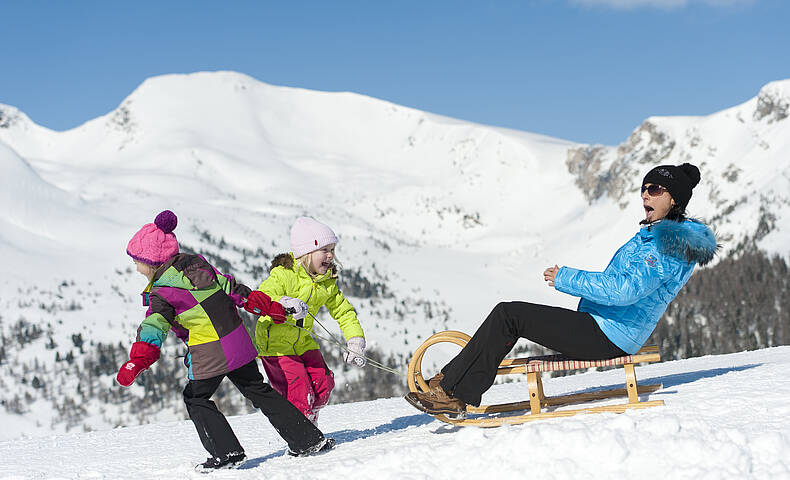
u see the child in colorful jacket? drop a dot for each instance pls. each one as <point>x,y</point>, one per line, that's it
<point>303,281</point>
<point>187,295</point>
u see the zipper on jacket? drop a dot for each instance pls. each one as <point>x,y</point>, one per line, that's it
<point>298,335</point>
<point>300,322</point>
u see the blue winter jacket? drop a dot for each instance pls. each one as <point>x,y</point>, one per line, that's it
<point>630,295</point>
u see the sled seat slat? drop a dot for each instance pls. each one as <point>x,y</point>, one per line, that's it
<point>548,363</point>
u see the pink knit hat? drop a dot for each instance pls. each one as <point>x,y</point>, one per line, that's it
<point>308,235</point>
<point>155,242</point>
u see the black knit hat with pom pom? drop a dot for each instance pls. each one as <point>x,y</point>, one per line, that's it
<point>679,180</point>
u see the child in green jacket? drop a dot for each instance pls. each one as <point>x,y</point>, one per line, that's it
<point>303,281</point>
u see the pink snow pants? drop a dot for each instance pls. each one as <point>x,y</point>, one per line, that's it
<point>304,380</point>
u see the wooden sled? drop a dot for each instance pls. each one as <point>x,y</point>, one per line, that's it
<point>533,367</point>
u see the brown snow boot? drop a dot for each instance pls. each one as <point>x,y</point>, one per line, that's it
<point>434,380</point>
<point>436,401</point>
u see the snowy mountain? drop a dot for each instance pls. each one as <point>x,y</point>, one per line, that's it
<point>725,417</point>
<point>438,219</point>
<point>742,152</point>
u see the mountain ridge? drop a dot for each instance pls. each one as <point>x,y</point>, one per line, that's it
<point>450,216</point>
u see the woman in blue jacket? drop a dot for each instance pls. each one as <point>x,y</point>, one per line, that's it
<point>619,307</point>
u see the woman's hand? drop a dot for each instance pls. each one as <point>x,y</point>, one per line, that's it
<point>550,273</point>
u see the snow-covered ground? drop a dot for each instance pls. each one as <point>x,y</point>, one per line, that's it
<point>725,417</point>
<point>449,217</point>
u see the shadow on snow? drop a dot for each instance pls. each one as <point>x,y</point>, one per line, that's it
<point>402,423</point>
<point>345,436</point>
<point>677,379</point>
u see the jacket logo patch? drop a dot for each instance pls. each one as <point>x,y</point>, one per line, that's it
<point>651,260</point>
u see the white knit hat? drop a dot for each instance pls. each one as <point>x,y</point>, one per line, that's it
<point>308,235</point>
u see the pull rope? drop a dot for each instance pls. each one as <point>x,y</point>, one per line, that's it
<point>333,340</point>
<point>373,363</point>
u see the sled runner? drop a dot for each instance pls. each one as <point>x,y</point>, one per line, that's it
<point>533,367</point>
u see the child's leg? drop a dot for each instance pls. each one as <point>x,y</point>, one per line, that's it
<point>213,429</point>
<point>321,377</point>
<point>300,434</point>
<point>274,374</point>
<point>288,375</point>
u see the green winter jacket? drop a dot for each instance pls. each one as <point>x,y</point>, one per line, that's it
<point>289,278</point>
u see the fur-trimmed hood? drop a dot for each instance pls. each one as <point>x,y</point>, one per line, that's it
<point>689,240</point>
<point>287,261</point>
<point>282,260</point>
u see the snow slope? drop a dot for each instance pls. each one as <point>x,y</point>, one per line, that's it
<point>450,216</point>
<point>726,417</point>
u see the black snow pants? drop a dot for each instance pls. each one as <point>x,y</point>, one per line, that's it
<point>213,428</point>
<point>572,333</point>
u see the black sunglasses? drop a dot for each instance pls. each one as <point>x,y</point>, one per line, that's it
<point>653,190</point>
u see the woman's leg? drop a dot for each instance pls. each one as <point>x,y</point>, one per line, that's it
<point>572,333</point>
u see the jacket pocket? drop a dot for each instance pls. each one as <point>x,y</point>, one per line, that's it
<point>262,336</point>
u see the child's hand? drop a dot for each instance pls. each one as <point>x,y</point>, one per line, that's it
<point>128,372</point>
<point>277,313</point>
<point>258,303</point>
<point>298,307</point>
<point>355,355</point>
<point>142,356</point>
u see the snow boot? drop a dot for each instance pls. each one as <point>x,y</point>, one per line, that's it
<point>228,460</point>
<point>436,401</point>
<point>434,380</point>
<point>323,446</point>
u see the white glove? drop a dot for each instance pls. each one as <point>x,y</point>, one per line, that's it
<point>356,355</point>
<point>298,307</point>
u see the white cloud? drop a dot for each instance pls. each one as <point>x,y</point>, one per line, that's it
<point>665,4</point>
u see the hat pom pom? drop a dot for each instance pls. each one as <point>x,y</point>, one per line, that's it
<point>692,172</point>
<point>166,221</point>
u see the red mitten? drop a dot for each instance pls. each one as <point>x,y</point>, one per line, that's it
<point>142,356</point>
<point>277,312</point>
<point>259,303</point>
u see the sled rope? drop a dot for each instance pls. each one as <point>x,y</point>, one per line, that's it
<point>334,341</point>
<point>373,363</point>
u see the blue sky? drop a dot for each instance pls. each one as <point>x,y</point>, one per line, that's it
<point>582,70</point>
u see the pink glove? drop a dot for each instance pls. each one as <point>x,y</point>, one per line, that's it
<point>142,356</point>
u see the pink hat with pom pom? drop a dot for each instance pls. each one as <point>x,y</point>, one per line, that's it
<point>308,235</point>
<point>155,243</point>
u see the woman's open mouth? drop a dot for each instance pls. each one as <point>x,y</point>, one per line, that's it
<point>648,211</point>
